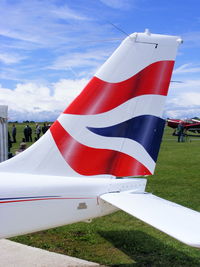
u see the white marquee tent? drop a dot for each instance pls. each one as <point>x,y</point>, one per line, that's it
<point>3,133</point>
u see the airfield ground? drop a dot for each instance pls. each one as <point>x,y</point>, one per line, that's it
<point>14,254</point>
<point>120,239</point>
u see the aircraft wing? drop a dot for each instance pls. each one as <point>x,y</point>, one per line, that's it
<point>173,219</point>
<point>195,125</point>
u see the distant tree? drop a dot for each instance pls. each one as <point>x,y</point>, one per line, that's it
<point>11,122</point>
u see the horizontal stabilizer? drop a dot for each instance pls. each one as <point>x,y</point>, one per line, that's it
<point>173,219</point>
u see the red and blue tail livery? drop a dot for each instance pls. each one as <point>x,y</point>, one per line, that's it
<point>114,127</point>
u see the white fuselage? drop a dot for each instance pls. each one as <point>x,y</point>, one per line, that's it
<point>51,201</point>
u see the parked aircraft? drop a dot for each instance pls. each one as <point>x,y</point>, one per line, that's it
<point>192,125</point>
<point>92,160</point>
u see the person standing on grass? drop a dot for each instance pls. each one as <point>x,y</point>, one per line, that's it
<point>26,130</point>
<point>44,128</point>
<point>38,131</point>
<point>9,146</point>
<point>30,134</point>
<point>14,133</point>
<point>180,130</point>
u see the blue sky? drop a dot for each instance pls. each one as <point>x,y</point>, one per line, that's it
<point>49,49</point>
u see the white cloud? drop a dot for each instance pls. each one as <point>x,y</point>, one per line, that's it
<point>89,59</point>
<point>39,22</point>
<point>10,58</point>
<point>187,85</point>
<point>67,90</point>
<point>183,100</point>
<point>118,4</point>
<point>50,35</point>
<point>182,113</point>
<point>190,99</point>
<point>10,73</point>
<point>65,12</point>
<point>31,101</point>
<point>187,68</point>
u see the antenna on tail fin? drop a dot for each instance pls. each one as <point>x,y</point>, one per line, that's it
<point>119,29</point>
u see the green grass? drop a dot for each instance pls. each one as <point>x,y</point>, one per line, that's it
<point>122,240</point>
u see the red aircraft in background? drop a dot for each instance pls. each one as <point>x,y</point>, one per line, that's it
<point>192,125</point>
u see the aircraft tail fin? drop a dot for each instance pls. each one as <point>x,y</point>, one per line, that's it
<point>114,127</point>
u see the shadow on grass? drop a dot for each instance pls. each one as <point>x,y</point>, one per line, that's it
<point>144,250</point>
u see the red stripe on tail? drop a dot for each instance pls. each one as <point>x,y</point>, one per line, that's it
<point>100,96</point>
<point>93,161</point>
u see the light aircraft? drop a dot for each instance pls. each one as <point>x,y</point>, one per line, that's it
<point>95,157</point>
<point>192,125</point>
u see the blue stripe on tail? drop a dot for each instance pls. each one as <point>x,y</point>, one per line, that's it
<point>146,130</point>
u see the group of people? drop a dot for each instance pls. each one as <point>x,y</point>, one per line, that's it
<point>28,132</point>
<point>27,136</point>
<point>38,131</point>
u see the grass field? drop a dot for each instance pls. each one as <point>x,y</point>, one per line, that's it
<point>120,239</point>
